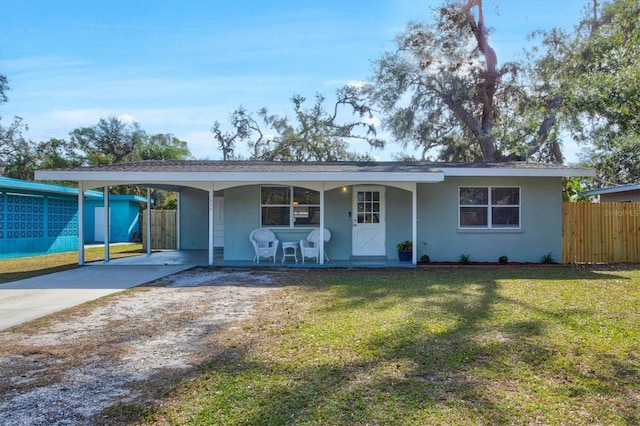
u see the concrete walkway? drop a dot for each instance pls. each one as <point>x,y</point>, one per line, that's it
<point>26,300</point>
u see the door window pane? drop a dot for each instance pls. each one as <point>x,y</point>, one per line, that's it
<point>368,207</point>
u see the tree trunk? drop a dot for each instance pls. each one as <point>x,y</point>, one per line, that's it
<point>487,88</point>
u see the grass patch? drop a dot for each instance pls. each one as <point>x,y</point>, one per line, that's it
<point>27,267</point>
<point>446,346</point>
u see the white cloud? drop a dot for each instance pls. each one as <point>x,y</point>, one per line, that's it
<point>127,118</point>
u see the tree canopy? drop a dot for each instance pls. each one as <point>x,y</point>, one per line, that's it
<point>442,92</point>
<point>313,134</point>
<point>595,70</point>
<point>443,88</point>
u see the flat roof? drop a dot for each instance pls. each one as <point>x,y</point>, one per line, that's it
<point>613,189</point>
<point>35,187</point>
<point>30,187</point>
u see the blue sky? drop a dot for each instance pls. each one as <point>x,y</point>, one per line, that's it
<point>176,66</point>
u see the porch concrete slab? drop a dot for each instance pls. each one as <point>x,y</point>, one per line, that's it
<point>32,298</point>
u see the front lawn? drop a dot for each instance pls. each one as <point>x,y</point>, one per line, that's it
<point>477,346</point>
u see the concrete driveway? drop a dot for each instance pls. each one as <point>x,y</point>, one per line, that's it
<point>26,300</point>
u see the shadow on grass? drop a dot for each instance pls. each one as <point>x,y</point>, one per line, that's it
<point>445,347</point>
<point>15,276</point>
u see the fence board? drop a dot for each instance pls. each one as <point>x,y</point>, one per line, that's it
<point>163,230</point>
<point>601,233</point>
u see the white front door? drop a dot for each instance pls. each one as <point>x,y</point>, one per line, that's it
<point>368,220</point>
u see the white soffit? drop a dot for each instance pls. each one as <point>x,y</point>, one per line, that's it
<point>179,177</point>
<point>519,172</point>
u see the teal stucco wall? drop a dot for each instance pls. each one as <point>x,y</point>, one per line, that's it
<point>33,224</point>
<point>125,218</point>
<point>440,237</point>
<point>438,233</point>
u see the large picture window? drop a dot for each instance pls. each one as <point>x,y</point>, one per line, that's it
<point>489,207</point>
<point>289,206</point>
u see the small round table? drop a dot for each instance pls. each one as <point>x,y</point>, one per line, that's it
<point>290,249</point>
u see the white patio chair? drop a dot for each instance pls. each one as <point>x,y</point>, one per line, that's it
<point>310,247</point>
<point>265,243</point>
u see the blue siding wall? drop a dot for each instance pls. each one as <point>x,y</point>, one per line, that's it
<point>35,224</point>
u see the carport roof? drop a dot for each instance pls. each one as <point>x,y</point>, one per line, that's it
<point>23,186</point>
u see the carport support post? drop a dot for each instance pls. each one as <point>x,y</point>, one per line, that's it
<point>178,222</point>
<point>414,221</point>
<point>107,225</point>
<point>148,224</point>
<point>81,223</point>
<point>321,254</point>
<point>211,191</point>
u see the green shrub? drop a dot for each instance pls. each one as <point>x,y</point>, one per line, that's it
<point>548,258</point>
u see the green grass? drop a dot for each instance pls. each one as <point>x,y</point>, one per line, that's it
<point>27,267</point>
<point>463,346</point>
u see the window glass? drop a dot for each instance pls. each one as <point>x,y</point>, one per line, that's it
<point>289,206</point>
<point>473,216</point>
<point>474,196</point>
<point>507,217</point>
<point>368,207</point>
<point>304,215</point>
<point>275,216</point>
<point>505,196</point>
<point>501,210</point>
<point>275,195</point>
<point>305,196</point>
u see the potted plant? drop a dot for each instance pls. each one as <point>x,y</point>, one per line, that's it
<point>405,251</point>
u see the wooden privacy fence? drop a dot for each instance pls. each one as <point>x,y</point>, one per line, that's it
<point>163,229</point>
<point>601,232</point>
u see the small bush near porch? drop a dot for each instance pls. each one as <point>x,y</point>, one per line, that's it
<point>444,346</point>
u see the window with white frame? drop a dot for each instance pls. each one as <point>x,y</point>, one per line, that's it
<point>289,206</point>
<point>489,207</point>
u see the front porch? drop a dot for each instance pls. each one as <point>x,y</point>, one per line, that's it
<point>201,258</point>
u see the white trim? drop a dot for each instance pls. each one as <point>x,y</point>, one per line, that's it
<point>414,222</point>
<point>517,172</point>
<point>148,224</point>
<point>178,221</point>
<point>80,224</point>
<point>210,240</point>
<point>240,177</point>
<point>107,224</point>
<point>321,249</point>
